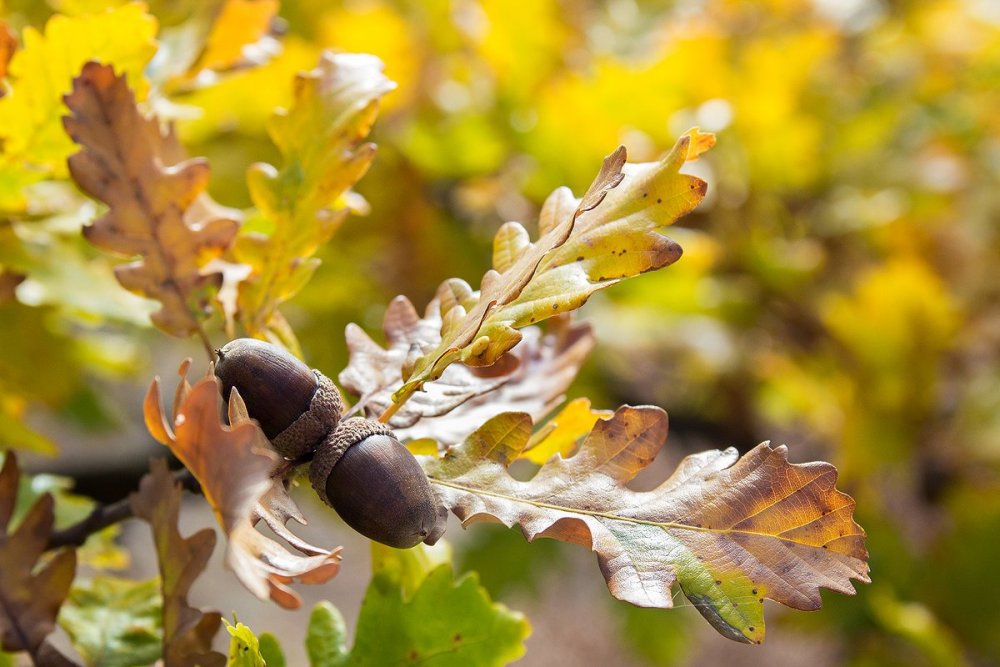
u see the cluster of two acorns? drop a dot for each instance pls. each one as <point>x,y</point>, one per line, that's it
<point>358,466</point>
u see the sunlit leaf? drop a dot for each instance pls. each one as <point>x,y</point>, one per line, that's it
<point>731,531</point>
<point>154,203</point>
<point>43,70</point>
<point>584,245</point>
<point>320,138</point>
<point>244,647</point>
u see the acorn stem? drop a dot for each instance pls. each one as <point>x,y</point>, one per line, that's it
<point>390,411</point>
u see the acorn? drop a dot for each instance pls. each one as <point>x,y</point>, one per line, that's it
<point>359,468</point>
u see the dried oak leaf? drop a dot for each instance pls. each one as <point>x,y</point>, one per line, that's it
<point>532,380</point>
<point>584,245</point>
<point>125,163</point>
<point>30,596</point>
<point>234,466</point>
<point>187,631</point>
<point>304,202</point>
<point>731,531</point>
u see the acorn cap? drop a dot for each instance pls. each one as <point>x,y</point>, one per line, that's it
<point>376,485</point>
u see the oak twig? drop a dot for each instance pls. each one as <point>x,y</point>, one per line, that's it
<point>103,516</point>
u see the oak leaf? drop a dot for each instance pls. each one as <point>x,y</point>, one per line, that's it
<point>234,466</point>
<point>156,209</point>
<point>731,531</point>
<point>561,433</point>
<point>532,378</point>
<point>187,631</point>
<point>115,622</point>
<point>30,595</point>
<point>425,617</point>
<point>584,245</point>
<point>43,70</point>
<point>303,202</point>
<point>238,36</point>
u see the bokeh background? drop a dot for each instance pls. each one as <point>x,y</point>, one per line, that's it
<point>839,290</point>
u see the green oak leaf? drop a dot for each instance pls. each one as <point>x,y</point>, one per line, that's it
<point>439,622</point>
<point>244,647</point>
<point>270,650</point>
<point>114,622</point>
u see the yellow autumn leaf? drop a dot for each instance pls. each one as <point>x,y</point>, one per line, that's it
<point>562,432</point>
<point>42,72</point>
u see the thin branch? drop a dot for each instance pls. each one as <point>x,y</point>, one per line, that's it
<point>107,515</point>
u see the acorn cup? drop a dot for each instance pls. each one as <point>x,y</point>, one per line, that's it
<point>359,468</point>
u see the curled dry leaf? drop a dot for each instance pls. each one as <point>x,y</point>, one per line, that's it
<point>731,531</point>
<point>30,595</point>
<point>234,466</point>
<point>156,207</point>
<point>187,631</point>
<point>532,378</point>
<point>584,245</point>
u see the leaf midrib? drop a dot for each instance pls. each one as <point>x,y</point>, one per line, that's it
<point>665,525</point>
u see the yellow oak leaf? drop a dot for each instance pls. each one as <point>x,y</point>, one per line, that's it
<point>31,130</point>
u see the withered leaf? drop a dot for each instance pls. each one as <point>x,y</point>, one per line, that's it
<point>234,466</point>
<point>585,245</point>
<point>374,372</point>
<point>534,378</point>
<point>187,631</point>
<point>124,162</point>
<point>30,596</point>
<point>731,531</point>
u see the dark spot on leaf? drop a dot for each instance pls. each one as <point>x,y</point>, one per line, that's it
<point>761,600</point>
<point>824,546</point>
<point>645,194</point>
<point>718,582</point>
<point>457,638</point>
<point>412,655</point>
<point>751,628</point>
<point>580,258</point>
<point>755,591</point>
<point>659,201</point>
<point>555,306</point>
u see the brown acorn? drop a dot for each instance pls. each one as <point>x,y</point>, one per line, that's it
<point>376,485</point>
<point>359,467</point>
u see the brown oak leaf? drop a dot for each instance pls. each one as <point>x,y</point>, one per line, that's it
<point>30,596</point>
<point>187,631</point>
<point>531,378</point>
<point>731,531</point>
<point>235,466</point>
<point>155,210</point>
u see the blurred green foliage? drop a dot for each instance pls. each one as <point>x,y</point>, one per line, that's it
<point>839,289</point>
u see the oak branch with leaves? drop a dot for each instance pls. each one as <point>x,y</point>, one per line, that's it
<point>472,386</point>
